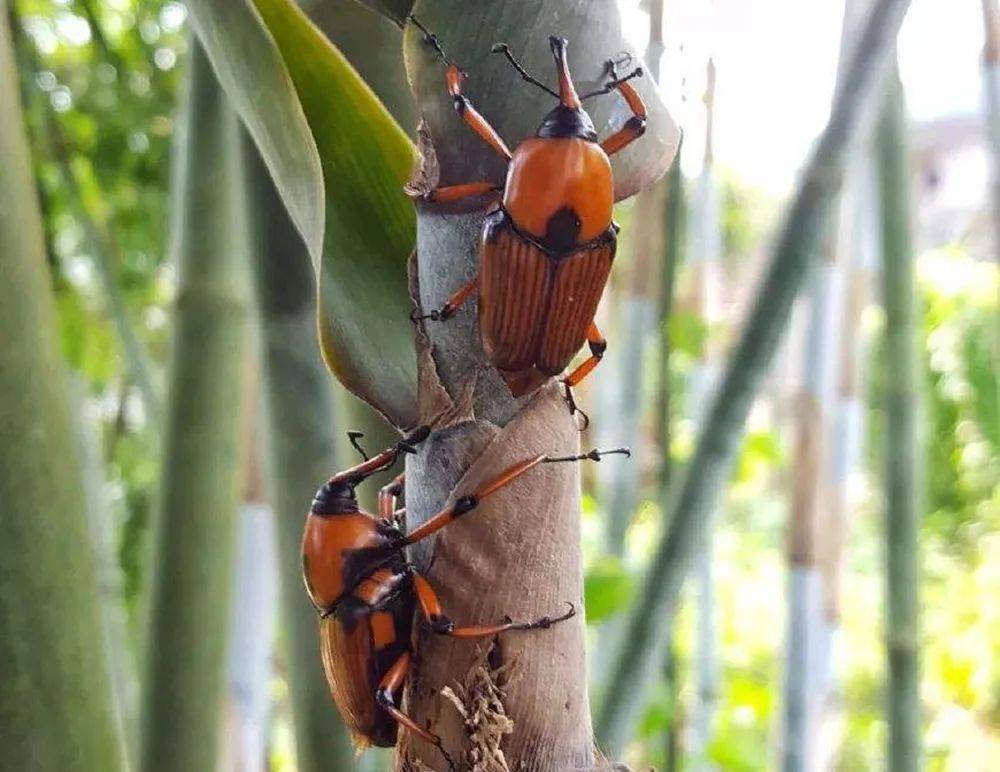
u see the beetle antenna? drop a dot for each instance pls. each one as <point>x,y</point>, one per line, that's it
<point>431,39</point>
<point>354,437</point>
<point>614,83</point>
<point>503,48</point>
<point>593,455</point>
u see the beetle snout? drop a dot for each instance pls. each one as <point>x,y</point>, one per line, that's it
<point>558,45</point>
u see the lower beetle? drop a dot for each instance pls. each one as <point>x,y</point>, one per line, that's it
<point>366,592</point>
<point>547,249</point>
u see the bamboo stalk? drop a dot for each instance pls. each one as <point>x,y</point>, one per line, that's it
<point>200,479</point>
<point>902,450</point>
<point>95,225</point>
<point>991,97</point>
<point>716,447</point>
<point>301,452</point>
<point>637,315</point>
<point>673,257</point>
<point>55,697</point>
<point>706,263</point>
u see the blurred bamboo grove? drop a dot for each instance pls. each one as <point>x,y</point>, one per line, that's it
<point>806,368</point>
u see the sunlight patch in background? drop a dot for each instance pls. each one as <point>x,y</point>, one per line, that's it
<point>776,63</point>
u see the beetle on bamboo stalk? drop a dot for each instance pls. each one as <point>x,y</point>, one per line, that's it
<point>366,592</point>
<point>548,247</point>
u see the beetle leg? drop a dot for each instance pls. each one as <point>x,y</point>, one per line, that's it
<point>598,345</point>
<point>454,303</point>
<point>383,460</point>
<point>468,113</point>
<point>385,697</point>
<point>430,605</point>
<point>449,193</point>
<point>472,117</point>
<point>387,497</point>
<point>634,127</point>
<point>468,503</point>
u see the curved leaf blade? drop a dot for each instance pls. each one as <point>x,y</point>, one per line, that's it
<point>397,10</point>
<point>366,158</point>
<point>250,68</point>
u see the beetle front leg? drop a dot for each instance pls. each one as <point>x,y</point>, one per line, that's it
<point>453,78</point>
<point>634,127</point>
<point>455,302</point>
<point>430,605</point>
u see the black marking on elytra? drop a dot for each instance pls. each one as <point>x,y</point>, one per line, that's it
<point>562,230</point>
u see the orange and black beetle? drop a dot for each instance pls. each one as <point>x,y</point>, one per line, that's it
<point>547,249</point>
<point>359,580</point>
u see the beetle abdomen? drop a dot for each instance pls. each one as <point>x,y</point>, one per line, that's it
<point>535,307</point>
<point>348,661</point>
<point>577,287</point>
<point>515,280</point>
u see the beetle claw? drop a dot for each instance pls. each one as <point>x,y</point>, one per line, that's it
<point>436,315</point>
<point>574,408</point>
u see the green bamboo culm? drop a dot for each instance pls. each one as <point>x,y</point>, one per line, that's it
<point>794,256</point>
<point>186,642</point>
<point>301,453</point>
<point>902,450</point>
<point>55,696</point>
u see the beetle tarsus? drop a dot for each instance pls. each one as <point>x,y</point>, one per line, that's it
<point>544,623</point>
<point>591,455</point>
<point>436,315</point>
<point>574,409</point>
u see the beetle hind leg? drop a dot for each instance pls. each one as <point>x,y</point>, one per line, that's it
<point>385,698</point>
<point>598,345</point>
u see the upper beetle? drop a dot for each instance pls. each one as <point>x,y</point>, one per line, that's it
<point>547,249</point>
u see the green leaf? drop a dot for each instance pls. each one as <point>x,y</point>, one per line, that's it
<point>607,589</point>
<point>249,67</point>
<point>364,302</point>
<point>369,224</point>
<point>687,332</point>
<point>397,10</point>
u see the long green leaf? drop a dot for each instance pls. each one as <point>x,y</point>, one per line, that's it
<point>364,158</point>
<point>397,10</point>
<point>249,67</point>
<point>364,302</point>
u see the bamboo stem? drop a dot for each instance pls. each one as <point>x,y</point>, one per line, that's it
<point>55,697</point>
<point>794,255</point>
<point>301,453</point>
<point>200,480</point>
<point>902,475</point>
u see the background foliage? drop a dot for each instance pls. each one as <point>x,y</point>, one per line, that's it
<point>100,84</point>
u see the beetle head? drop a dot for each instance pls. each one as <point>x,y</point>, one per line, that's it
<point>568,118</point>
